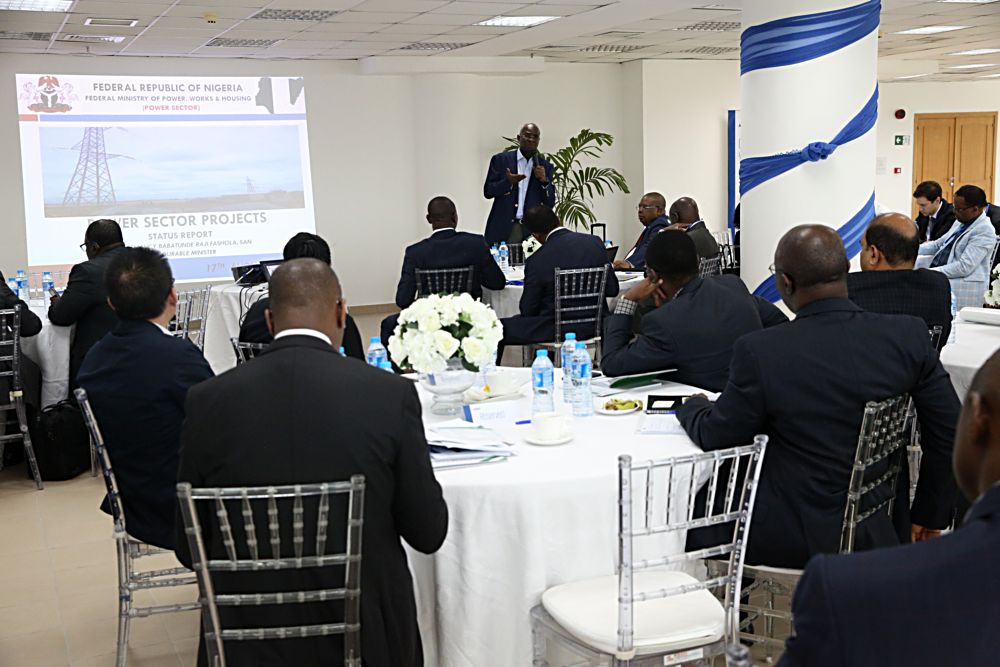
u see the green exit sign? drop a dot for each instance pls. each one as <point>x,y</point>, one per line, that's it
<point>901,140</point>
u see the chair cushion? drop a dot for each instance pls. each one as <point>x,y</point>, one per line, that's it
<point>588,610</point>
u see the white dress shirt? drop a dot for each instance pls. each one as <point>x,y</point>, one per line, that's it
<point>524,166</point>
<point>305,332</point>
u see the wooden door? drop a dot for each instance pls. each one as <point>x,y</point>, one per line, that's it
<point>954,149</point>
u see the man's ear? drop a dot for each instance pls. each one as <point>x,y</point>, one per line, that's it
<point>269,319</point>
<point>172,297</point>
<point>342,314</point>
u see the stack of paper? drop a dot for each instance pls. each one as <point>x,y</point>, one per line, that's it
<point>458,443</point>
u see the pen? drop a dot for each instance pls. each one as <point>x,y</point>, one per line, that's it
<point>523,421</point>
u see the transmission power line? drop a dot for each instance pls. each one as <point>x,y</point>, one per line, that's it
<point>91,182</point>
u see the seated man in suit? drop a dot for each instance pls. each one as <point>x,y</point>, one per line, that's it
<point>963,254</point>
<point>137,378</point>
<point>805,384</point>
<point>696,321</point>
<point>517,181</point>
<point>300,413</point>
<point>652,210</point>
<point>888,282</point>
<point>445,248</point>
<point>84,302</point>
<point>684,215</point>
<point>864,608</point>
<point>936,215</point>
<point>31,375</point>
<point>254,328</point>
<point>561,248</point>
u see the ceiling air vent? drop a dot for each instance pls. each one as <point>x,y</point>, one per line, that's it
<point>711,50</point>
<point>92,39</point>
<point>293,15</point>
<point>35,36</point>
<point>612,48</point>
<point>243,43</point>
<point>434,46</point>
<point>712,26</point>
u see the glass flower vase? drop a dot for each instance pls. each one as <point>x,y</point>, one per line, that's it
<point>448,386</point>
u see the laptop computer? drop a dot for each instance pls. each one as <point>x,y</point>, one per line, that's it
<point>612,253</point>
<point>268,266</point>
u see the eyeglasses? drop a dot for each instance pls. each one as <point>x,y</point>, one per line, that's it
<point>964,208</point>
<point>772,269</point>
<point>642,206</point>
<point>83,246</point>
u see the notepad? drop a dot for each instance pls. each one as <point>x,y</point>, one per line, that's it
<point>660,424</point>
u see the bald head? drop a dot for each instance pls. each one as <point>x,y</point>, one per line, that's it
<point>977,439</point>
<point>890,243</point>
<point>684,211</point>
<point>305,294</point>
<point>528,139</point>
<point>810,264</point>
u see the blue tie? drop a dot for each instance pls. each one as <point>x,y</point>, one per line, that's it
<point>941,258</point>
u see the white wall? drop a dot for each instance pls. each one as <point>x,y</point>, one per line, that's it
<point>895,190</point>
<point>381,146</point>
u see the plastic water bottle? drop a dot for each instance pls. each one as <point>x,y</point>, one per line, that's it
<point>22,285</point>
<point>376,352</point>
<point>542,384</point>
<point>12,284</point>
<point>504,257</point>
<point>954,313</point>
<point>495,253</point>
<point>566,357</point>
<point>583,400</point>
<point>341,350</point>
<point>386,366</point>
<point>47,283</point>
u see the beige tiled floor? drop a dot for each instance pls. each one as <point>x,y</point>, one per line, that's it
<point>58,586</point>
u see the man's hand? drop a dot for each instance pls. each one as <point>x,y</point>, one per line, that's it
<point>539,172</point>
<point>622,265</point>
<point>645,289</point>
<point>919,533</point>
<point>514,179</point>
<point>54,300</point>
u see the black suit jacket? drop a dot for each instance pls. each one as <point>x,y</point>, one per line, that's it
<point>805,385</point>
<point>693,333</point>
<point>871,608</point>
<point>942,223</point>
<point>449,249</point>
<point>505,195</point>
<point>30,324</point>
<point>563,249</point>
<point>704,242</point>
<point>922,293</point>
<point>137,379</point>
<point>301,413</point>
<point>254,330</point>
<point>85,304</point>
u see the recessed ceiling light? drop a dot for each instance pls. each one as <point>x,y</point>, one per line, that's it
<point>975,66</point>
<point>36,5</point>
<point>93,39</point>
<point>975,52</point>
<point>913,76</point>
<point>517,21</point>
<point>111,23</point>
<point>931,29</point>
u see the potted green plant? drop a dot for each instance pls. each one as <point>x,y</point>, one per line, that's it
<point>577,185</point>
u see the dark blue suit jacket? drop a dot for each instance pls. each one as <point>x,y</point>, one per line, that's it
<point>637,256</point>
<point>923,293</point>
<point>505,195</point>
<point>563,249</point>
<point>693,333</point>
<point>448,249</point>
<point>137,378</point>
<point>805,385</point>
<point>930,603</point>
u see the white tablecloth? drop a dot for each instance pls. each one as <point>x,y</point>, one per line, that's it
<point>506,302</point>
<point>544,517</point>
<point>50,350</point>
<point>227,306</point>
<point>974,344</point>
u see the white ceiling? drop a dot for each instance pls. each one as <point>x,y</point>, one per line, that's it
<point>607,31</point>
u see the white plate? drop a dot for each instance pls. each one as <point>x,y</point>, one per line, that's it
<point>614,413</point>
<point>562,440</point>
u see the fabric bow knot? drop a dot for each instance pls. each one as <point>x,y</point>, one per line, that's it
<point>816,151</point>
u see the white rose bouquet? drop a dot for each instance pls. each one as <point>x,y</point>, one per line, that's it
<point>992,296</point>
<point>530,245</point>
<point>438,328</point>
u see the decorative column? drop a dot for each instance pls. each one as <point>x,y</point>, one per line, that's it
<point>809,99</point>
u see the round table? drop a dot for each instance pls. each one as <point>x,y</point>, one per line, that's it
<point>507,302</point>
<point>50,350</point>
<point>546,516</point>
<point>974,344</point>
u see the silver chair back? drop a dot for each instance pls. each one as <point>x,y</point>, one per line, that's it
<point>732,478</point>
<point>444,281</point>
<point>209,516</point>
<point>993,255</point>
<point>579,299</point>
<point>246,351</point>
<point>192,315</point>
<point>885,434</point>
<point>10,368</point>
<point>710,266</point>
<point>515,254</point>
<point>935,332</point>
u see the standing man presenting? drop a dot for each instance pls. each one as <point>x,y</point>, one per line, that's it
<point>516,181</point>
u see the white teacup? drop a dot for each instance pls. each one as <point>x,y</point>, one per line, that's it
<point>500,382</point>
<point>549,426</point>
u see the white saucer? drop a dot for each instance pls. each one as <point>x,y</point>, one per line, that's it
<point>600,409</point>
<point>561,440</point>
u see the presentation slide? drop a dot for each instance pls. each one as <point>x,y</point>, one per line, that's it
<point>211,171</point>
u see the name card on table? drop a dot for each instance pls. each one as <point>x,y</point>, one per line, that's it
<point>498,412</point>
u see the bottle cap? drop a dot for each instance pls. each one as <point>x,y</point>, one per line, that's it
<point>541,353</point>
<point>374,339</point>
<point>580,345</point>
<point>571,336</point>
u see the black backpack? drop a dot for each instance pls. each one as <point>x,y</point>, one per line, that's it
<point>61,441</point>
